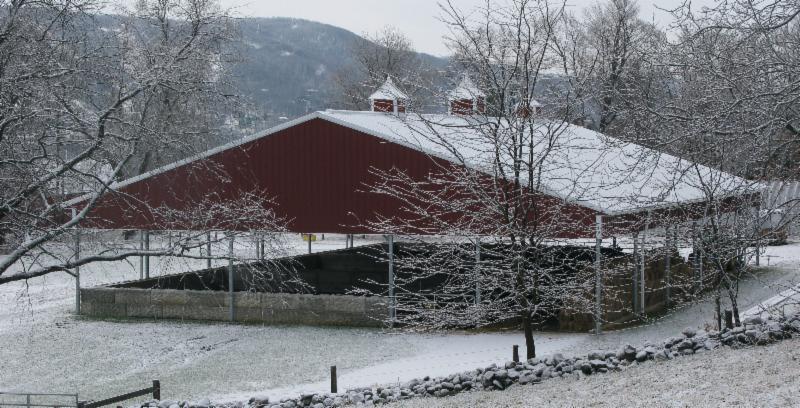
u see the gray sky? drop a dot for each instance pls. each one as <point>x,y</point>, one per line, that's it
<point>418,19</point>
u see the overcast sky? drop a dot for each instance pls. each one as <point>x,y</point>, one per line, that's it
<point>418,19</point>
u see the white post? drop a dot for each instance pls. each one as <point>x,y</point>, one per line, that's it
<point>141,257</point>
<point>667,266</point>
<point>230,278</point>
<point>147,257</point>
<point>598,281</point>
<point>77,268</point>
<point>636,272</point>
<point>208,250</point>
<point>392,300</point>
<point>477,271</point>
<point>643,281</point>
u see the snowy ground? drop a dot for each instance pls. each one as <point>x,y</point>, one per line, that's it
<point>750,377</point>
<point>46,349</point>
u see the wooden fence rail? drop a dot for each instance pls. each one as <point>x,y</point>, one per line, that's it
<point>155,390</point>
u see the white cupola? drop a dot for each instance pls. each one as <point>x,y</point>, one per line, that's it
<point>466,98</point>
<point>532,108</point>
<point>388,98</point>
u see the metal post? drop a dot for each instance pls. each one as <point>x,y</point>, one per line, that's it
<point>392,300</point>
<point>77,272</point>
<point>477,271</point>
<point>208,249</point>
<point>598,289</point>
<point>147,257</point>
<point>230,278</point>
<point>141,257</point>
<point>643,280</point>
<point>667,266</point>
<point>636,272</point>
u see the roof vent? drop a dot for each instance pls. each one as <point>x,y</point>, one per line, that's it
<point>388,98</point>
<point>466,98</point>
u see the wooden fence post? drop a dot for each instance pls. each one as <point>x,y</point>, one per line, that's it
<point>156,390</point>
<point>515,353</point>
<point>333,380</point>
<point>728,319</point>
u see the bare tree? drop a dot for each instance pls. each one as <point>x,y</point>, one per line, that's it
<point>80,101</point>
<point>500,253</point>
<point>387,52</point>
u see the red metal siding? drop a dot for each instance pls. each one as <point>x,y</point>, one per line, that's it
<point>318,173</point>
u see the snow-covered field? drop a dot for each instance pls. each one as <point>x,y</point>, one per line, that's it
<point>46,349</point>
<point>749,377</point>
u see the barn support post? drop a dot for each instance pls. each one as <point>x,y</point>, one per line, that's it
<point>141,257</point>
<point>635,272</point>
<point>392,300</point>
<point>643,265</point>
<point>77,268</point>
<point>598,280</point>
<point>477,271</point>
<point>147,257</point>
<point>667,266</point>
<point>232,307</point>
<point>208,249</point>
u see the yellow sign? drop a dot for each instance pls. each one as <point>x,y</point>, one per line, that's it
<point>309,237</point>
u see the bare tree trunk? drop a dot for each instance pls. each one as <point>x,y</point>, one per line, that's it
<point>527,327</point>
<point>718,309</point>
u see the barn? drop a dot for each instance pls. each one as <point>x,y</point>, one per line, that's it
<point>316,172</point>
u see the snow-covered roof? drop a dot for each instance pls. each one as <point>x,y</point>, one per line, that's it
<point>577,164</point>
<point>466,89</point>
<point>388,91</point>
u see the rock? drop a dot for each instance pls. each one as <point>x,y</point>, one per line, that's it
<point>753,320</point>
<point>328,402</point>
<point>558,358</point>
<point>497,384</point>
<point>641,356</point>
<point>338,401</point>
<point>629,352</point>
<point>598,364</point>
<point>689,332</point>
<point>513,375</point>
<point>510,365</point>
<point>685,344</point>
<point>586,368</point>
<point>501,374</point>
<point>596,355</point>
<point>448,385</point>
<point>650,350</point>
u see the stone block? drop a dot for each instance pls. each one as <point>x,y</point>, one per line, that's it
<point>169,297</point>
<point>207,298</point>
<point>108,310</point>
<point>280,301</point>
<point>132,296</point>
<point>248,314</point>
<point>206,313</point>
<point>97,295</point>
<point>247,300</point>
<point>144,310</point>
<point>344,304</point>
<point>171,311</point>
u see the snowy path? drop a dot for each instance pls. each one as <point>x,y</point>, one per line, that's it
<point>46,349</point>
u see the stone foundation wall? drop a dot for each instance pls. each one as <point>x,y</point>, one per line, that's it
<point>249,307</point>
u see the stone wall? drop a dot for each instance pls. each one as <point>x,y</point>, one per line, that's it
<point>249,307</point>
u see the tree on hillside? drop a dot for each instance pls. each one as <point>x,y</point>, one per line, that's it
<point>187,116</point>
<point>387,52</point>
<point>81,101</point>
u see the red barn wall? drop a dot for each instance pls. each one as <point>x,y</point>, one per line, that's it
<point>317,172</point>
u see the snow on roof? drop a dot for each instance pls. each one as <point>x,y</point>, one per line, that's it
<point>580,165</point>
<point>577,164</point>
<point>466,89</point>
<point>388,91</point>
